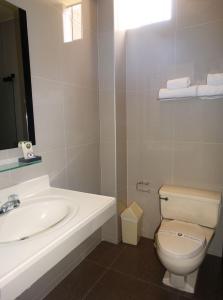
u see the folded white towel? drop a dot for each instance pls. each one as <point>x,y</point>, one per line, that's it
<point>210,90</point>
<point>178,93</point>
<point>178,83</point>
<point>215,79</point>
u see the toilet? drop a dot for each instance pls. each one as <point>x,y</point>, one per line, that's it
<point>188,221</point>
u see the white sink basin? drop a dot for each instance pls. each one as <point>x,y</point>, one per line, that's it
<point>56,222</point>
<point>35,217</point>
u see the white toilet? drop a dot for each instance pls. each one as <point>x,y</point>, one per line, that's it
<point>189,219</point>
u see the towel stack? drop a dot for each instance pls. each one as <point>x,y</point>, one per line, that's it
<point>178,88</point>
<point>214,86</point>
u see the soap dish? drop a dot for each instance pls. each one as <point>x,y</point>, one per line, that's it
<point>30,160</point>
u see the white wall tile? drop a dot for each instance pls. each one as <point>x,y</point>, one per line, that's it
<point>83,168</point>
<point>105,16</point>
<point>66,113</point>
<point>45,38</point>
<point>81,116</point>
<point>49,127</point>
<point>193,13</point>
<point>149,202</point>
<point>106,61</point>
<point>108,168</point>
<point>79,62</point>
<point>5,180</point>
<point>55,165</point>
<point>134,107</point>
<point>198,165</point>
<point>156,162</point>
<point>134,162</point>
<point>157,118</point>
<point>107,115</point>
<point>202,48</point>
<point>175,142</point>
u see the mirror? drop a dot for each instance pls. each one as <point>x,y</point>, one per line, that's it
<point>16,107</point>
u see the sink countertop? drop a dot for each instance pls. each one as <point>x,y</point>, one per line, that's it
<point>18,257</point>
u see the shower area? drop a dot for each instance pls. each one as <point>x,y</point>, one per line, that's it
<point>143,139</point>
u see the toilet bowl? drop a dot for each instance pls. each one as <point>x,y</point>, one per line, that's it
<point>182,245</point>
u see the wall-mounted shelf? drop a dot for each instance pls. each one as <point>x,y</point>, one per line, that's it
<point>13,165</point>
<point>192,98</point>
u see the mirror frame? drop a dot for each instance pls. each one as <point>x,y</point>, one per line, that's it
<point>27,75</point>
<point>25,57</point>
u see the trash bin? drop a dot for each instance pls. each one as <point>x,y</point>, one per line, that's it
<point>131,224</point>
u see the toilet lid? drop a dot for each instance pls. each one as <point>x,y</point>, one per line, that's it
<point>181,239</point>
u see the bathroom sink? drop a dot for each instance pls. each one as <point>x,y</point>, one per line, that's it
<point>35,217</point>
<point>48,224</point>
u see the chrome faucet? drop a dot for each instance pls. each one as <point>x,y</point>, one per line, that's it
<point>12,203</point>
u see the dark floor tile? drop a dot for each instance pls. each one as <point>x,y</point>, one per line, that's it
<point>135,273</point>
<point>184,297</point>
<point>219,297</point>
<point>187,296</point>
<point>141,262</point>
<point>209,283</point>
<point>77,283</point>
<point>117,286</point>
<point>204,297</point>
<point>105,253</point>
<point>210,278</point>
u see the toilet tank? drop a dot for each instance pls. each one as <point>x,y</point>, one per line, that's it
<point>190,205</point>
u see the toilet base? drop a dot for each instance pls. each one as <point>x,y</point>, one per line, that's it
<point>183,283</point>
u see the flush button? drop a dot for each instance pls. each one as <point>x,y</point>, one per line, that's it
<point>179,234</point>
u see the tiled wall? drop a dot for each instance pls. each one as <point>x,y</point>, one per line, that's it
<point>120,107</point>
<point>65,98</point>
<point>177,143</point>
<point>106,72</point>
<point>174,142</point>
<point>111,63</point>
<point>107,110</point>
<point>120,104</point>
<point>66,112</point>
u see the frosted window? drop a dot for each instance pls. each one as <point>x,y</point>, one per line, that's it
<point>72,23</point>
<point>137,13</point>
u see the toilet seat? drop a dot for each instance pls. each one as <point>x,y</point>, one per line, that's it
<point>181,239</point>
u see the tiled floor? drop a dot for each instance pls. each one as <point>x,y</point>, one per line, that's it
<point>119,272</point>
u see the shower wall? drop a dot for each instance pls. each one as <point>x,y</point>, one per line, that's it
<point>174,142</point>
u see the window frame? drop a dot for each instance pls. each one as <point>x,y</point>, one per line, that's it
<point>73,39</point>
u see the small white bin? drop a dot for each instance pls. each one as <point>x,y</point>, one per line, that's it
<point>131,224</point>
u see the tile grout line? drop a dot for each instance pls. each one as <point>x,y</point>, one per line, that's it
<point>95,284</point>
<point>147,282</point>
<point>107,269</point>
<point>116,258</point>
<point>110,265</point>
<point>218,20</point>
<point>177,294</point>
<point>97,263</point>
